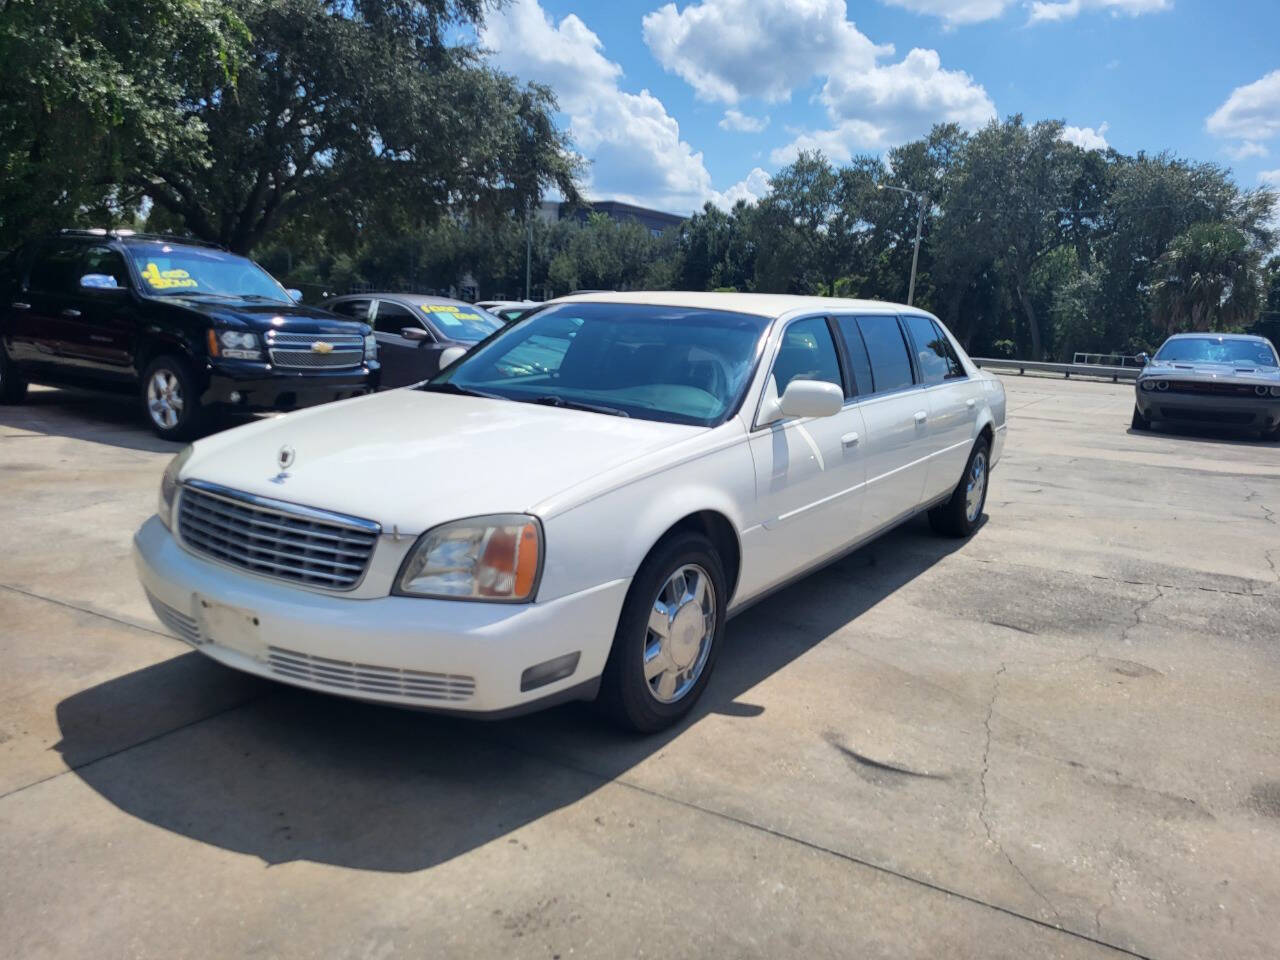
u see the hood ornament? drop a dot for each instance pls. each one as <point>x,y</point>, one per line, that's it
<point>284,459</point>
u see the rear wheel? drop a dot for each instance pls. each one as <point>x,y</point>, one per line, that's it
<point>170,399</point>
<point>13,389</point>
<point>1139,422</point>
<point>959,516</point>
<point>668,636</point>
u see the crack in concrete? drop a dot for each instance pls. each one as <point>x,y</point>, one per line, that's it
<point>982,808</point>
<point>1131,583</point>
<point>1138,611</point>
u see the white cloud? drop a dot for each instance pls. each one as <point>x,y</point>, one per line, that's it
<point>1270,177</point>
<point>1087,138</point>
<point>633,142</point>
<point>741,122</point>
<point>752,188</point>
<point>1252,112</point>
<point>955,12</point>
<point>1246,150</point>
<point>1052,10</point>
<point>730,50</point>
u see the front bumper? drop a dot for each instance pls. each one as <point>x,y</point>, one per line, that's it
<point>1260,413</point>
<point>255,387</point>
<point>449,656</point>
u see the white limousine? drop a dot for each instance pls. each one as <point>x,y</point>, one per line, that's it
<point>575,508</point>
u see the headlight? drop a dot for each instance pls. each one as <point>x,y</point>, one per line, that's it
<point>1162,385</point>
<point>1275,391</point>
<point>169,486</point>
<point>1148,384</point>
<point>235,345</point>
<point>495,559</point>
<point>370,347</point>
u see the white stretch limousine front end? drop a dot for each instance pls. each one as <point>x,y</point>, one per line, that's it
<point>573,509</point>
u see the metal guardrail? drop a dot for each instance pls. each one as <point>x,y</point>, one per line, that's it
<point>1108,359</point>
<point>1066,369</point>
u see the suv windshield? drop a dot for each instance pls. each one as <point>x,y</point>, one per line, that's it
<point>672,364</point>
<point>172,270</point>
<point>1217,350</point>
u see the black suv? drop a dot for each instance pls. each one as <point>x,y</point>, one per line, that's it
<point>188,326</point>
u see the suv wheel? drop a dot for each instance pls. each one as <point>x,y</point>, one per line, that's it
<point>13,389</point>
<point>959,516</point>
<point>668,636</point>
<point>170,399</point>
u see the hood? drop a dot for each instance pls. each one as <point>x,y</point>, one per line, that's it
<point>248,315</point>
<point>1193,370</point>
<point>411,459</point>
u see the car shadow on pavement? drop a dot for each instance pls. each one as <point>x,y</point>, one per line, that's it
<point>284,774</point>
<point>1225,435</point>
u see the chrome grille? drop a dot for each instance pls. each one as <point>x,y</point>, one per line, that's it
<point>275,539</point>
<point>367,678</point>
<point>297,350</point>
<point>184,627</point>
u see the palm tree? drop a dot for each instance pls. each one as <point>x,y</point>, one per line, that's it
<point>1208,278</point>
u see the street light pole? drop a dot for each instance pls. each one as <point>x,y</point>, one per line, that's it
<point>922,199</point>
<point>528,247</point>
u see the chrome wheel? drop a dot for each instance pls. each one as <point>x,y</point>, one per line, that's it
<point>976,487</point>
<point>164,399</point>
<point>682,623</point>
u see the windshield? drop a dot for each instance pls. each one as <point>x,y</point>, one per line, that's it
<point>170,270</point>
<point>1217,350</point>
<point>672,364</point>
<point>466,324</point>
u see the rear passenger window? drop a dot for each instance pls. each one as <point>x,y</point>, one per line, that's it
<point>887,352</point>
<point>356,309</point>
<point>933,351</point>
<point>105,262</point>
<point>859,364</point>
<point>807,353</point>
<point>57,269</point>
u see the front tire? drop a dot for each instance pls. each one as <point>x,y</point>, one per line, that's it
<point>13,389</point>
<point>1139,422</point>
<point>960,515</point>
<point>668,636</point>
<point>170,399</point>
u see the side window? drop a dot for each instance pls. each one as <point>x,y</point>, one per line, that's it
<point>57,269</point>
<point>955,369</point>
<point>856,350</point>
<point>355,309</point>
<point>887,351</point>
<point>105,262</point>
<point>807,353</point>
<point>931,354</point>
<point>392,318</point>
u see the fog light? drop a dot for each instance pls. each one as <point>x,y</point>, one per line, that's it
<point>549,671</point>
<point>236,396</point>
<point>1261,391</point>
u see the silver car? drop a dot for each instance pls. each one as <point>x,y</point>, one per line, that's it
<point>1223,379</point>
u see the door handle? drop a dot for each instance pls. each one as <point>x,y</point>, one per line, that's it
<point>921,416</point>
<point>20,306</point>
<point>849,440</point>
<point>71,314</point>
<point>970,403</point>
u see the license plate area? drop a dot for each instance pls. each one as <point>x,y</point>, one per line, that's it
<point>232,627</point>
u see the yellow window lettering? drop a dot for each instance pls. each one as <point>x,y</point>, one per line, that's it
<point>167,280</point>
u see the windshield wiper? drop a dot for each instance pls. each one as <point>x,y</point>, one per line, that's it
<point>554,401</point>
<point>459,391</point>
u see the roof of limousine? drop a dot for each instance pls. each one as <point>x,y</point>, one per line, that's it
<point>761,304</point>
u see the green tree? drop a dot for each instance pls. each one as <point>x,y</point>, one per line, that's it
<point>1208,279</point>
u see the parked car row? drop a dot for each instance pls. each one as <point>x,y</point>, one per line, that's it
<point>194,330</point>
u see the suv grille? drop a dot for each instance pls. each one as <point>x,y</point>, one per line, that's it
<point>275,539</point>
<point>297,350</point>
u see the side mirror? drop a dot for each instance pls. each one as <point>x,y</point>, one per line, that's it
<point>294,294</point>
<point>99,281</point>
<point>1143,358</point>
<point>811,398</point>
<point>451,355</point>
<point>413,333</point>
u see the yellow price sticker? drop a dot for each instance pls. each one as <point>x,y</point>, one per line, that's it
<point>169,279</point>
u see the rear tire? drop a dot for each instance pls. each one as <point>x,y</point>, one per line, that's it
<point>170,399</point>
<point>13,389</point>
<point>668,636</point>
<point>960,515</point>
<point>1139,422</point>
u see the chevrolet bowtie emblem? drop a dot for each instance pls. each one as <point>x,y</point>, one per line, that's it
<point>321,347</point>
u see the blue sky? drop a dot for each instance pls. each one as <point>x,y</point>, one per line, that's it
<point>679,103</point>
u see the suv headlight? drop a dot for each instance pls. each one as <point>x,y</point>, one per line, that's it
<point>370,348</point>
<point>497,559</point>
<point>235,345</point>
<point>169,486</point>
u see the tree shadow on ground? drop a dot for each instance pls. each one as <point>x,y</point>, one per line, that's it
<point>285,774</point>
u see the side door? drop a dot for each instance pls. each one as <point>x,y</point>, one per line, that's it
<point>895,415</point>
<point>809,472</point>
<point>101,319</point>
<point>952,403</point>
<point>44,311</point>
<point>404,360</point>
